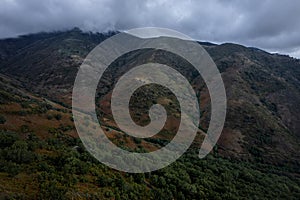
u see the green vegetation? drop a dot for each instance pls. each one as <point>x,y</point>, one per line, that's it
<point>60,167</point>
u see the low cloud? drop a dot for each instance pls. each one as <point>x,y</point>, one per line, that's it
<point>270,25</point>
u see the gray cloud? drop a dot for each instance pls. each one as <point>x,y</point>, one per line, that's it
<point>270,25</point>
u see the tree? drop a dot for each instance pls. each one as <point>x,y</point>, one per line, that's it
<point>19,153</point>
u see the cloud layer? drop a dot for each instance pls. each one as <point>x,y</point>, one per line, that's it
<point>267,24</point>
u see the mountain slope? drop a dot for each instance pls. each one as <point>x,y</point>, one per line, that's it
<point>263,89</point>
<point>41,158</point>
<point>257,153</point>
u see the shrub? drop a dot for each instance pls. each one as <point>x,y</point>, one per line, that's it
<point>137,140</point>
<point>7,139</point>
<point>58,116</point>
<point>52,189</point>
<point>11,168</point>
<point>24,128</point>
<point>2,119</point>
<point>71,119</point>
<point>25,105</point>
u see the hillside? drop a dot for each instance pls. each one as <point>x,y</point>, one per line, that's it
<point>257,153</point>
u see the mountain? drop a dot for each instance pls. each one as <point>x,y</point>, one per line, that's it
<point>260,141</point>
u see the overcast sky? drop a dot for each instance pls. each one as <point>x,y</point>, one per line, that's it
<point>273,25</point>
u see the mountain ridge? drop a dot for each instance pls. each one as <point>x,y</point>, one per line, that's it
<point>255,81</point>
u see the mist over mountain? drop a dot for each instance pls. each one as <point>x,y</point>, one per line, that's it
<point>269,25</point>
